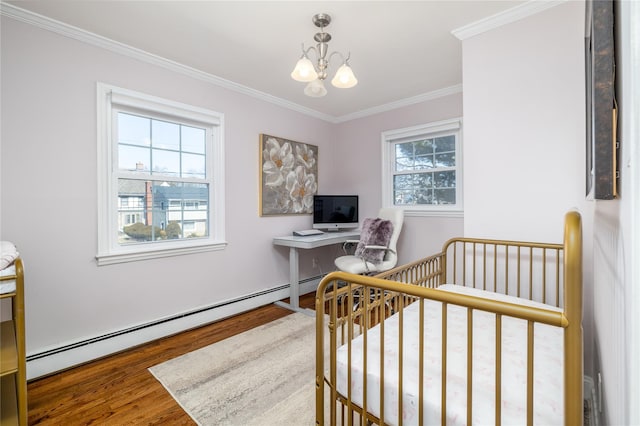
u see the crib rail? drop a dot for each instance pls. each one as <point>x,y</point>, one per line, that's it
<point>529,270</point>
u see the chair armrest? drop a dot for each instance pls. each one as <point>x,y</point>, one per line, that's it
<point>378,248</point>
<point>346,245</point>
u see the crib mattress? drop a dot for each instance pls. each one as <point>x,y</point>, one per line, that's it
<point>548,366</point>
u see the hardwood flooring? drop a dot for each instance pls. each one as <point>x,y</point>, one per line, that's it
<point>119,390</point>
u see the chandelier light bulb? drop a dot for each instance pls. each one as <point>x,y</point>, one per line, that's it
<point>315,89</point>
<point>314,74</point>
<point>344,78</point>
<point>304,71</point>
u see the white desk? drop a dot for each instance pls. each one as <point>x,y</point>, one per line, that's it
<point>309,242</point>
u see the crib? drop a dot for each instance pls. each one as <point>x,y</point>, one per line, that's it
<point>485,332</point>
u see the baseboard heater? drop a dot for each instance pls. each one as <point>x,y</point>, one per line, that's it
<point>50,361</point>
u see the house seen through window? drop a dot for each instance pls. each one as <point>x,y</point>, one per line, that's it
<point>163,150</point>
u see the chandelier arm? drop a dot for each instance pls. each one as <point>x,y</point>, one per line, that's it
<point>342,58</point>
<point>305,52</point>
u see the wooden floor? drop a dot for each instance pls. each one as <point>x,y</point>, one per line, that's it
<point>119,390</point>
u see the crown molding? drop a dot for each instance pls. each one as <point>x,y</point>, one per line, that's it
<point>81,35</point>
<point>440,93</point>
<point>75,33</point>
<point>508,16</point>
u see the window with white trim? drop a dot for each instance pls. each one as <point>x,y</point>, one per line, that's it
<point>160,177</point>
<point>422,168</point>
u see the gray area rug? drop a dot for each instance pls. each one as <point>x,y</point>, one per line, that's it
<point>264,376</point>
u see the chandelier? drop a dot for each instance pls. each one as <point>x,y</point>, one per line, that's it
<point>315,74</point>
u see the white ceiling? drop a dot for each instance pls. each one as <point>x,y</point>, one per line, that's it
<point>399,49</point>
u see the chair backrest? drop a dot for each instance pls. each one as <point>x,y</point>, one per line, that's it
<point>396,216</point>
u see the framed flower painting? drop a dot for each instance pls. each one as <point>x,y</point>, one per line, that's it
<point>288,176</point>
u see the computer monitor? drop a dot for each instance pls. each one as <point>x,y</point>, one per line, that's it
<point>335,212</point>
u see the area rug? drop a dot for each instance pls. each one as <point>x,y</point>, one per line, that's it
<point>264,376</point>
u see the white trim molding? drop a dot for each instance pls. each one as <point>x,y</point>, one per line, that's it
<point>79,34</point>
<point>506,17</point>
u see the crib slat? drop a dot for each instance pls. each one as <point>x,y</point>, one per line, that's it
<point>420,365</point>
<point>382,322</point>
<point>519,272</point>
<point>474,264</point>
<point>443,380</point>
<point>484,266</point>
<point>464,263</point>
<point>498,369</point>
<point>530,273</point>
<point>530,373</point>
<point>557,278</point>
<point>364,305</point>
<point>506,270</point>
<point>469,366</point>
<point>495,267</point>
<point>544,275</point>
<point>401,356</point>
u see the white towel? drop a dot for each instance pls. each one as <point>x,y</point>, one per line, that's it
<point>8,253</point>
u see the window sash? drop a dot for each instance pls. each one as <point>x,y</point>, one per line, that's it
<point>434,181</point>
<point>111,100</point>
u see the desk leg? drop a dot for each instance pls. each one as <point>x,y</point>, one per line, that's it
<point>294,284</point>
<point>294,278</point>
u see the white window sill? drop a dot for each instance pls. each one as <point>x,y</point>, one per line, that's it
<point>156,253</point>
<point>433,213</point>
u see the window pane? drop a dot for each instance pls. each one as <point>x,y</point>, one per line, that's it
<point>445,143</point>
<point>166,162</point>
<point>414,188</point>
<point>445,179</point>
<point>423,147</point>
<point>161,211</point>
<point>418,188</point>
<point>404,163</point>
<point>445,196</point>
<point>402,182</point>
<point>133,158</point>
<point>422,180</point>
<point>193,166</point>
<point>133,130</point>
<point>447,159</point>
<point>412,197</point>
<point>193,139</point>
<point>416,155</point>
<point>165,135</point>
<point>404,150</point>
<point>403,197</point>
<point>424,197</point>
<point>424,162</point>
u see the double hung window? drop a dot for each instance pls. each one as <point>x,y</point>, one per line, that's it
<point>422,170</point>
<point>160,175</point>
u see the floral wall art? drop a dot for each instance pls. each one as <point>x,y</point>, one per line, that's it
<point>288,176</point>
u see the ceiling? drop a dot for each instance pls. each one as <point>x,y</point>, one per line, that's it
<point>399,49</point>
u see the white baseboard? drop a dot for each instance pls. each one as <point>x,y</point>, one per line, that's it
<point>71,355</point>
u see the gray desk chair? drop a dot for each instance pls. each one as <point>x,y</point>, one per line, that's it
<point>371,255</point>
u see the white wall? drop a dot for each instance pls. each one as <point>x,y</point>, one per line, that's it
<point>617,242</point>
<point>525,132</point>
